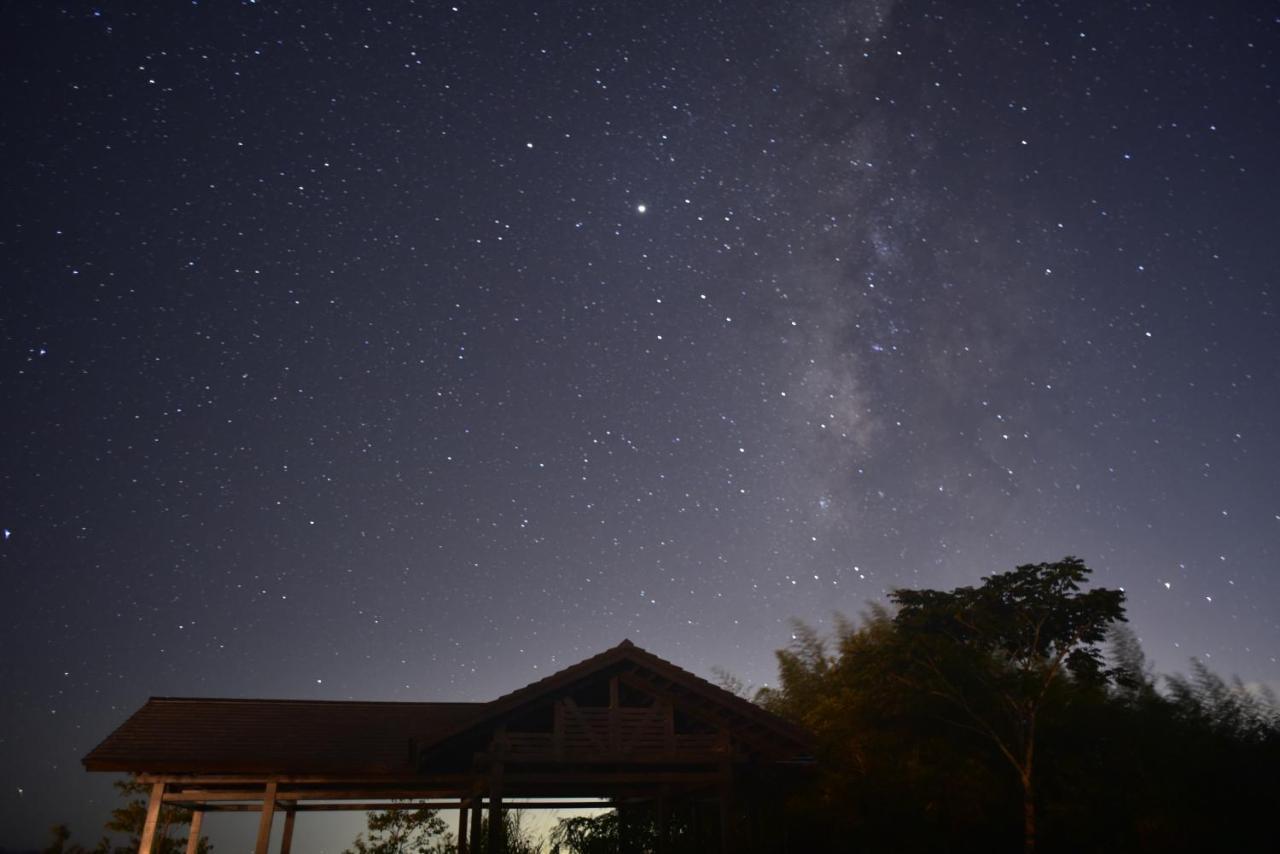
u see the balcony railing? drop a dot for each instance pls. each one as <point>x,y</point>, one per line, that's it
<point>603,733</point>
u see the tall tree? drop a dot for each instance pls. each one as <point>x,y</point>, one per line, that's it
<point>999,654</point>
<point>890,776</point>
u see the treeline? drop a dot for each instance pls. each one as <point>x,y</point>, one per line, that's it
<point>1021,715</point>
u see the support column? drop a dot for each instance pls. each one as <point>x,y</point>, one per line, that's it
<point>664,820</point>
<point>728,835</point>
<point>193,835</point>
<point>477,817</point>
<point>497,841</point>
<point>147,843</point>
<point>264,824</point>
<point>286,839</point>
<point>497,828</point>
<point>462,828</point>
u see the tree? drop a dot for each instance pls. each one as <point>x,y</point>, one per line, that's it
<point>581,834</point>
<point>516,838</point>
<point>889,775</point>
<point>916,714</point>
<point>62,837</point>
<point>631,829</point>
<point>170,838</point>
<point>998,654</point>
<point>130,819</point>
<point>404,830</point>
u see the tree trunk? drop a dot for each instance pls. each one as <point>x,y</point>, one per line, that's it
<point>1028,818</point>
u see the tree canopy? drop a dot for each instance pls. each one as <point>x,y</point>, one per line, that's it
<point>1016,714</point>
<point>408,830</point>
<point>996,653</point>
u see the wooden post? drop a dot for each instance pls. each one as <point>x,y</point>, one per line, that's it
<point>497,829</point>
<point>728,838</point>
<point>264,823</point>
<point>477,817</point>
<point>147,843</point>
<point>726,820</point>
<point>664,820</point>
<point>286,839</point>
<point>462,828</point>
<point>193,836</point>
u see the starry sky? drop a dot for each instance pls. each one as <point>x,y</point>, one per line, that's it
<point>415,350</point>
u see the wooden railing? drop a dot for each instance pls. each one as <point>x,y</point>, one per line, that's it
<point>622,732</point>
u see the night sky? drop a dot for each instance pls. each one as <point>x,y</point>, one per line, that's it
<point>404,350</point>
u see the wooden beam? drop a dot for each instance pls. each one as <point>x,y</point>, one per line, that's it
<point>193,835</point>
<point>286,839</point>
<point>728,835</point>
<point>681,756</point>
<point>593,778</point>
<point>260,779</point>
<point>462,828</point>
<point>477,817</point>
<point>264,824</point>
<point>378,806</point>
<point>497,842</point>
<point>147,843</point>
<point>664,819</point>
<point>208,796</point>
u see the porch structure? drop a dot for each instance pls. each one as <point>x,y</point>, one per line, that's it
<point>625,726</point>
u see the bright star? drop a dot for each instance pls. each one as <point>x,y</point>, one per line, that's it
<point>641,208</point>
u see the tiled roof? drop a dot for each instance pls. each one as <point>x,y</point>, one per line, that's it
<point>175,734</point>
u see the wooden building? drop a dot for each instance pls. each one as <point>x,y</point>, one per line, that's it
<point>624,725</point>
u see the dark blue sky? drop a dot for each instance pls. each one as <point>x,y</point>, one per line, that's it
<point>416,350</point>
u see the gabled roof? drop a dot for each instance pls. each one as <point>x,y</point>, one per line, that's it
<point>661,674</point>
<point>195,735</point>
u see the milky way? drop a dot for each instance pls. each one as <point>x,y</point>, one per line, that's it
<point>415,351</point>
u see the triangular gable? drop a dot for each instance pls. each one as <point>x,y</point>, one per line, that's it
<point>640,671</point>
